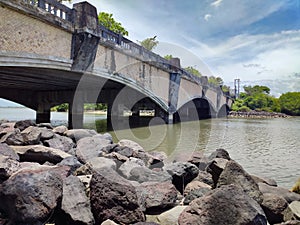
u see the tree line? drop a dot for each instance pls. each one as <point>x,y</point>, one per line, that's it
<point>258,98</point>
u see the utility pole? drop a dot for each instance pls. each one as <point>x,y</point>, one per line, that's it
<point>237,88</point>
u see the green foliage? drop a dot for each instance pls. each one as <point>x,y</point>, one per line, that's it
<point>290,103</point>
<point>61,108</point>
<point>107,20</point>
<point>149,43</point>
<point>98,106</point>
<point>256,98</point>
<point>168,57</point>
<point>226,89</point>
<point>217,81</point>
<point>193,71</point>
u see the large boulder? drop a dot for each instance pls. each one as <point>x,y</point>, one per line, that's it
<point>13,138</point>
<point>90,147</point>
<point>5,150</point>
<point>156,195</point>
<point>8,166</point>
<point>219,153</point>
<point>75,204</point>
<point>60,142</point>
<point>283,192</point>
<point>228,205</point>
<point>60,130</point>
<point>113,197</point>
<point>6,128</point>
<point>46,133</point>
<point>127,166</point>
<point>205,177</point>
<point>169,217</point>
<point>215,168</point>
<point>274,207</point>
<point>30,196</point>
<point>71,162</point>
<point>98,163</point>
<point>31,135</point>
<point>40,154</point>
<point>293,211</point>
<point>144,174</point>
<point>77,134</point>
<point>23,124</point>
<point>182,173</point>
<point>233,173</point>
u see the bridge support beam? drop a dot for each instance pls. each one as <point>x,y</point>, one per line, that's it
<point>75,115</point>
<point>43,113</point>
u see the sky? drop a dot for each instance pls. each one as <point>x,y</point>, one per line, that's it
<point>245,39</point>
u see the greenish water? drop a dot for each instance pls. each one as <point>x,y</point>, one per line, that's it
<point>264,147</point>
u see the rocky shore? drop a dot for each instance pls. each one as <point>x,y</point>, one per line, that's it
<point>79,177</point>
<point>257,114</point>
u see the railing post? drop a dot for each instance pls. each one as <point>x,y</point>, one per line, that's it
<point>120,37</point>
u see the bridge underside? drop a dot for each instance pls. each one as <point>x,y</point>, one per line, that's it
<point>41,88</point>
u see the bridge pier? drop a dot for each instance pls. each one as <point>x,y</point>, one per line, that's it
<point>75,115</point>
<point>43,113</point>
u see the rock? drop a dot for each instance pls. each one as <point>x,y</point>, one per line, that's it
<point>127,166</point>
<point>107,136</point>
<point>168,217</point>
<point>228,205</point>
<point>60,142</point>
<point>215,168</point>
<point>274,206</point>
<point>205,177</point>
<point>193,194</point>
<point>71,162</point>
<point>13,138</point>
<point>75,204</point>
<point>182,173</point>
<point>6,128</point>
<point>90,147</point>
<point>154,195</point>
<point>8,166</point>
<point>30,196</point>
<point>117,157</point>
<point>267,181</point>
<point>194,185</point>
<point>293,212</point>
<point>31,135</point>
<point>86,180</point>
<point>233,173</point>
<point>23,124</point>
<point>146,223</point>
<point>5,150</point>
<point>109,148</point>
<point>219,153</point>
<point>60,130</point>
<point>78,134</point>
<point>109,222</point>
<point>98,163</point>
<point>290,222</point>
<point>125,151</point>
<point>113,197</point>
<point>40,154</point>
<point>157,159</point>
<point>144,174</point>
<point>285,193</point>
<point>46,133</point>
<point>45,125</point>
<point>199,160</point>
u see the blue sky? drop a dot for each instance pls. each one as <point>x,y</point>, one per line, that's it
<point>246,39</point>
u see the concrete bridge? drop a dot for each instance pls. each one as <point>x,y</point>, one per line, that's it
<point>51,54</point>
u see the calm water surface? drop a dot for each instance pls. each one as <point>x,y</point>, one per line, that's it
<point>264,147</point>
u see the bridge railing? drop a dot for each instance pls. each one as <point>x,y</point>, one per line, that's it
<point>53,7</point>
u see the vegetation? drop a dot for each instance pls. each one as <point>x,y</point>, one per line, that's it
<point>107,20</point>
<point>65,107</point>
<point>290,103</point>
<point>193,71</point>
<point>149,43</point>
<point>168,57</point>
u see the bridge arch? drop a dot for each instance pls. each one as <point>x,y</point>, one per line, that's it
<point>223,111</point>
<point>195,109</point>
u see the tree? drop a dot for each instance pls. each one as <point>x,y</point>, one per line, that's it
<point>290,103</point>
<point>168,57</point>
<point>107,20</point>
<point>217,81</point>
<point>149,43</point>
<point>193,71</point>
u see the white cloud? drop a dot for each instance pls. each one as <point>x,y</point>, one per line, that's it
<point>217,3</point>
<point>207,17</point>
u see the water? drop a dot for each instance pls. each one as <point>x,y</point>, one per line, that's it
<point>264,147</point>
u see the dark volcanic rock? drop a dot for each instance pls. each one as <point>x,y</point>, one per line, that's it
<point>13,138</point>
<point>182,173</point>
<point>113,197</point>
<point>31,135</point>
<point>23,124</point>
<point>8,166</point>
<point>127,166</point>
<point>219,153</point>
<point>285,193</point>
<point>60,142</point>
<point>274,206</point>
<point>144,174</point>
<point>78,134</point>
<point>215,168</point>
<point>9,152</point>
<point>225,205</point>
<point>196,193</point>
<point>90,147</point>
<point>233,173</point>
<point>75,204</point>
<point>30,196</point>
<point>205,177</point>
<point>71,162</point>
<point>153,195</point>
